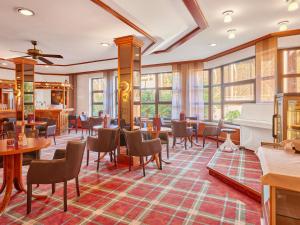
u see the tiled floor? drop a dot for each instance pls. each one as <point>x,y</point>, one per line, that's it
<point>182,193</point>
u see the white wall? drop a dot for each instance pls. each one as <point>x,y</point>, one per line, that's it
<point>42,95</point>
<point>289,41</point>
<point>84,92</point>
<point>158,69</point>
<point>7,74</point>
<point>50,78</point>
<point>233,57</point>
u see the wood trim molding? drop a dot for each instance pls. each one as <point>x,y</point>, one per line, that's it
<point>126,21</point>
<point>80,63</point>
<point>220,54</point>
<point>195,10</point>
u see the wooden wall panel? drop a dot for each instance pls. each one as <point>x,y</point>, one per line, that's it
<point>266,65</point>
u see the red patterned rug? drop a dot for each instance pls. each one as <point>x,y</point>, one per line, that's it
<point>182,193</point>
<point>241,166</point>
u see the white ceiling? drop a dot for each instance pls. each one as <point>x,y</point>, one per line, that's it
<point>74,27</point>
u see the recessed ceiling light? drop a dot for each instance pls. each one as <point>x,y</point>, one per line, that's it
<point>231,33</point>
<point>46,66</point>
<point>104,44</point>
<point>212,44</point>
<point>292,5</point>
<point>283,25</point>
<point>227,16</point>
<point>25,12</point>
<point>4,64</point>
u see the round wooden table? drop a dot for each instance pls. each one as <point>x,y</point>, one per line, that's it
<point>12,165</point>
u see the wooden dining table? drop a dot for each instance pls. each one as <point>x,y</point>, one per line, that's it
<point>12,166</point>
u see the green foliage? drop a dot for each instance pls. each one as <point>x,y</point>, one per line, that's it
<point>232,115</point>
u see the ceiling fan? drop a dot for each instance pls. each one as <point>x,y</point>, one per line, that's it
<point>36,53</point>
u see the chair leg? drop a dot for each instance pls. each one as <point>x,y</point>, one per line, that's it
<point>53,188</point>
<point>77,186</point>
<point>65,196</point>
<point>203,141</point>
<point>110,156</point>
<point>167,150</point>
<point>54,139</point>
<point>217,141</point>
<point>115,158</point>
<point>174,141</point>
<point>87,157</point>
<point>29,196</point>
<point>143,165</point>
<point>129,162</point>
<point>160,161</point>
<point>185,143</point>
<point>98,161</point>
<point>191,141</point>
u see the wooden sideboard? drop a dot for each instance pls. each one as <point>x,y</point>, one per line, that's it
<point>60,116</point>
<point>7,114</point>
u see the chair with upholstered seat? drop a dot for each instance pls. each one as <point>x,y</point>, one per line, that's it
<point>181,130</point>
<point>194,126</point>
<point>106,142</point>
<point>56,170</point>
<point>85,124</point>
<point>213,131</point>
<point>139,148</point>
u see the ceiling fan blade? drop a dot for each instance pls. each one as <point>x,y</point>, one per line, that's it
<point>51,56</point>
<point>18,51</point>
<point>45,60</point>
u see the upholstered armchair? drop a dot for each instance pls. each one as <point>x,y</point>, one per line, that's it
<point>7,126</point>
<point>50,132</point>
<point>56,170</point>
<point>95,121</point>
<point>106,142</point>
<point>213,131</point>
<point>85,124</point>
<point>194,126</point>
<point>181,130</point>
<point>73,123</point>
<point>139,148</point>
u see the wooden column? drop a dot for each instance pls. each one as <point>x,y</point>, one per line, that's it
<point>129,75</point>
<point>24,87</point>
<point>266,68</point>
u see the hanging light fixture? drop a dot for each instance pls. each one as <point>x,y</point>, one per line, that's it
<point>231,33</point>
<point>283,25</point>
<point>228,16</point>
<point>292,5</point>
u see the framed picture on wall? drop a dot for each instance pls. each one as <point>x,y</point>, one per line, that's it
<point>57,97</point>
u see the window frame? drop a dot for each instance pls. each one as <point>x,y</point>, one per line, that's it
<point>95,92</point>
<point>223,85</point>
<point>157,102</point>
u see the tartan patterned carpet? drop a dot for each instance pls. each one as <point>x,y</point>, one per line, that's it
<point>182,193</point>
<point>241,165</point>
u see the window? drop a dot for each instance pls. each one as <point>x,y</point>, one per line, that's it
<point>206,93</point>
<point>291,70</point>
<point>97,95</point>
<point>231,86</point>
<point>156,95</point>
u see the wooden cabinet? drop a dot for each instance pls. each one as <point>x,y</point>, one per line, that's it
<point>60,116</point>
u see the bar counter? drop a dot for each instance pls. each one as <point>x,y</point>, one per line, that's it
<point>60,116</point>
<point>7,113</point>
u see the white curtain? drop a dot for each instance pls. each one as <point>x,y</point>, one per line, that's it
<point>187,90</point>
<point>195,95</point>
<point>108,92</point>
<point>176,93</point>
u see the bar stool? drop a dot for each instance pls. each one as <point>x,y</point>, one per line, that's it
<point>228,145</point>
